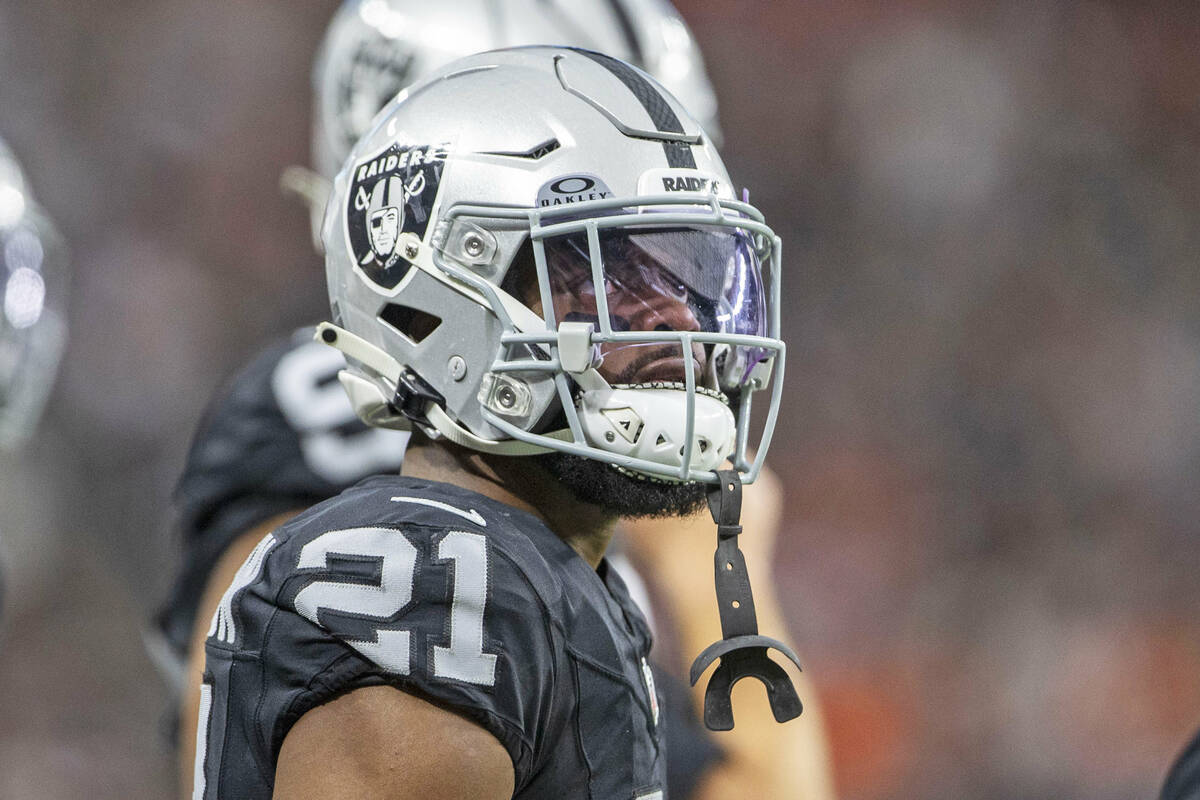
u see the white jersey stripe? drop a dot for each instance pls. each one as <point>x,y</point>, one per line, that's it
<point>471,516</point>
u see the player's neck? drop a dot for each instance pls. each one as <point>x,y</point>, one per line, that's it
<point>521,483</point>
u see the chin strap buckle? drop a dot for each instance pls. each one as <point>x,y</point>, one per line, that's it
<point>742,651</point>
<point>413,396</point>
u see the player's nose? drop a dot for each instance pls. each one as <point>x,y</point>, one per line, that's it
<point>664,312</point>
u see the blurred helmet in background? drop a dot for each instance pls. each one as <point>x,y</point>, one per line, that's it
<point>32,304</point>
<point>375,48</point>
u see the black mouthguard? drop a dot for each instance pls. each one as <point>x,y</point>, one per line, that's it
<point>742,651</point>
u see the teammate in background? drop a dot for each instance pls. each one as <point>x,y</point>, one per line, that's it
<point>465,264</point>
<point>284,436</point>
<point>32,311</point>
<point>375,48</point>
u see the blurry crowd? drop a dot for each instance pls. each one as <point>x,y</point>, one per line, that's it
<point>990,442</point>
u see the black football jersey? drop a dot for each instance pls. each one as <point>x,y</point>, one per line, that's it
<point>281,436</point>
<point>455,598</point>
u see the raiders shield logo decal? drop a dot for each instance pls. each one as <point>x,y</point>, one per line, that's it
<point>390,194</point>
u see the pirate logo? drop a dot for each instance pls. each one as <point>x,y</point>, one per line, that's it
<point>391,194</point>
<point>385,217</point>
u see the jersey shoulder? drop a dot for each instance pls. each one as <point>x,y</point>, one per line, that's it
<point>434,590</point>
<point>429,510</point>
<point>452,533</point>
<point>446,594</point>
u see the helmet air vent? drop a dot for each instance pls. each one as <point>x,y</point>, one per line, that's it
<point>533,154</point>
<point>411,323</point>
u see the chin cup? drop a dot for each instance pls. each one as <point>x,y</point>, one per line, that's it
<point>742,651</point>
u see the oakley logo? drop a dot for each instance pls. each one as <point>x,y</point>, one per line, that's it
<point>572,189</point>
<point>572,185</point>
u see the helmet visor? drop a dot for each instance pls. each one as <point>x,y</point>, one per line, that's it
<point>701,279</point>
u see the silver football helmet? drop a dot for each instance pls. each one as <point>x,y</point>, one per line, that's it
<point>32,316</point>
<point>374,48</point>
<point>519,182</point>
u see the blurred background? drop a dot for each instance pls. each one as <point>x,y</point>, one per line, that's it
<point>991,442</point>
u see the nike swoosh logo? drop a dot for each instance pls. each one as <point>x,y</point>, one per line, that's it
<point>471,516</point>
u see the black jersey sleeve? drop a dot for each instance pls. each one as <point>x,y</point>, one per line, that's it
<point>326,605</point>
<point>280,436</point>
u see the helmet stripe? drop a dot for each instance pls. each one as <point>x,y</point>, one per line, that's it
<point>679,154</point>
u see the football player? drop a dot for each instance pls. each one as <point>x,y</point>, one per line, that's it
<point>283,436</point>
<point>476,586</point>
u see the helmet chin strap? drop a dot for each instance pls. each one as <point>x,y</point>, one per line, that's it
<point>742,651</point>
<point>452,431</point>
<point>415,400</point>
<point>433,414</point>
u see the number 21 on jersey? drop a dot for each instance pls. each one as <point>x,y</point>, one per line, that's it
<point>463,658</point>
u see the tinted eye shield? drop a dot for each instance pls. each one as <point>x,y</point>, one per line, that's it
<point>655,278</point>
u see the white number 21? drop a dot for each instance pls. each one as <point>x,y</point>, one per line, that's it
<point>463,659</point>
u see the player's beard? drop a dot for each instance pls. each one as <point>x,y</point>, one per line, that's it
<point>626,493</point>
<point>621,493</point>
